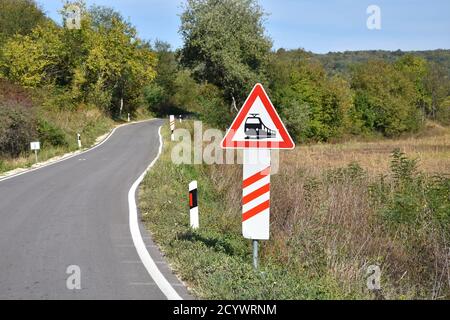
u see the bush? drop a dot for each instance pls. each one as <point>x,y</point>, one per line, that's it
<point>17,129</point>
<point>443,112</point>
<point>13,94</point>
<point>60,99</point>
<point>155,96</point>
<point>214,110</point>
<point>410,198</point>
<point>51,135</point>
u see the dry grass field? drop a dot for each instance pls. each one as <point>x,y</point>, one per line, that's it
<point>431,148</point>
<point>338,208</point>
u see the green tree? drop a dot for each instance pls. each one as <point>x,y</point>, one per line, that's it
<point>33,60</point>
<point>384,99</point>
<point>416,69</point>
<point>314,106</point>
<point>19,17</point>
<point>225,44</point>
<point>117,62</point>
<point>437,84</point>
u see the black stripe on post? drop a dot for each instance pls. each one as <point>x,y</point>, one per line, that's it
<point>193,199</point>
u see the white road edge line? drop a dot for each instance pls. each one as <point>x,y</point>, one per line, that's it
<point>139,243</point>
<point>74,155</point>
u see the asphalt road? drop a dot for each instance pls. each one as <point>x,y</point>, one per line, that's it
<point>75,212</point>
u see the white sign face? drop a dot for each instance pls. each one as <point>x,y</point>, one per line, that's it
<point>35,146</point>
<point>258,115</point>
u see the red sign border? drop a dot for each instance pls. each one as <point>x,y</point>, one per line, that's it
<point>257,91</point>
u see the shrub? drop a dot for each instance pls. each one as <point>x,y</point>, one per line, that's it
<point>214,110</point>
<point>411,198</point>
<point>13,94</point>
<point>17,129</point>
<point>51,135</point>
<point>155,97</point>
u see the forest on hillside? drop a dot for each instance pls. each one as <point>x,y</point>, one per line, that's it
<point>105,66</point>
<point>342,62</point>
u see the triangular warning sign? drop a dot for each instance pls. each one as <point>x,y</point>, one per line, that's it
<point>257,125</point>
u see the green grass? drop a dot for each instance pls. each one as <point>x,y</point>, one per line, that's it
<point>215,261</point>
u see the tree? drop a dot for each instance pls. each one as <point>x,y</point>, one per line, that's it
<point>225,44</point>
<point>384,99</point>
<point>416,69</point>
<point>102,63</point>
<point>19,17</point>
<point>314,106</point>
<point>167,68</point>
<point>33,60</point>
<point>118,63</point>
<point>437,84</point>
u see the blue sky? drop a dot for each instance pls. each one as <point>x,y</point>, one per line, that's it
<point>318,26</point>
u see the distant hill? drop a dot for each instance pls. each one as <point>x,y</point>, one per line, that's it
<point>336,62</point>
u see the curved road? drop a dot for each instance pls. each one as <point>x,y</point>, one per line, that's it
<point>75,212</point>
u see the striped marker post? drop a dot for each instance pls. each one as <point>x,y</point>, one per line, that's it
<point>193,205</point>
<point>79,140</point>
<point>172,127</point>
<point>256,197</point>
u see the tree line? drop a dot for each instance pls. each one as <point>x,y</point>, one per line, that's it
<point>226,51</point>
<point>103,63</point>
<point>46,67</point>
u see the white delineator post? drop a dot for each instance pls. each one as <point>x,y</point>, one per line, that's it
<point>172,127</point>
<point>128,119</point>
<point>180,118</point>
<point>79,140</point>
<point>256,194</point>
<point>193,205</point>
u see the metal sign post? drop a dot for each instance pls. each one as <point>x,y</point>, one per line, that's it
<point>255,254</point>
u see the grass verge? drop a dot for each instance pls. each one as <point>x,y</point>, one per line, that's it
<point>215,261</point>
<point>336,211</point>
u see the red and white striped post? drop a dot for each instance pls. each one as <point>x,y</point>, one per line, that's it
<point>256,197</point>
<point>193,205</point>
<point>172,127</point>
